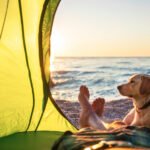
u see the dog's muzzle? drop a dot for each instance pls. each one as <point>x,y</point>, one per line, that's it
<point>119,87</point>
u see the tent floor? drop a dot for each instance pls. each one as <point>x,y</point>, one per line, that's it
<point>40,140</point>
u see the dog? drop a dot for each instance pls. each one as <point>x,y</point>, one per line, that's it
<point>137,89</point>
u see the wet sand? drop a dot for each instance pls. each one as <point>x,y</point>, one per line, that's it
<point>114,110</point>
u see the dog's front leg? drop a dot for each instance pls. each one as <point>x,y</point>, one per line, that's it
<point>128,119</point>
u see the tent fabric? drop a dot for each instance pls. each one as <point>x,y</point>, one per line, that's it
<point>129,137</point>
<point>25,100</point>
<point>40,140</point>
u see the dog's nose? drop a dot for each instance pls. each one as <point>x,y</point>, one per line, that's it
<point>119,87</point>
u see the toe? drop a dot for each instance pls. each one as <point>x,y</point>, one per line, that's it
<point>100,100</point>
<point>98,106</point>
<point>98,103</point>
<point>84,90</point>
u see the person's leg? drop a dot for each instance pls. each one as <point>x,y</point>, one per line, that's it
<point>86,108</point>
<point>88,118</point>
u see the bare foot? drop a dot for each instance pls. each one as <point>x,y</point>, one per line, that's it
<point>83,97</point>
<point>98,106</point>
<point>86,108</point>
<point>88,117</point>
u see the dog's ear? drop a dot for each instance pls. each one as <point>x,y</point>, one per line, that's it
<point>145,85</point>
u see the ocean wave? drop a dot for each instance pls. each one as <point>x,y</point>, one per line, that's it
<point>148,72</point>
<point>125,62</point>
<point>60,82</point>
<point>87,72</point>
<point>64,72</point>
<point>77,72</point>
<point>125,74</point>
<point>105,67</point>
<point>97,81</point>
<point>67,82</point>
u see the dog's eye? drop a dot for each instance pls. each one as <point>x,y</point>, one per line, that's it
<point>131,81</point>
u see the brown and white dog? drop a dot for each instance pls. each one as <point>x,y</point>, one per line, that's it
<point>137,88</point>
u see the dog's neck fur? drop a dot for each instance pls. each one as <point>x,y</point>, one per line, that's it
<point>141,103</point>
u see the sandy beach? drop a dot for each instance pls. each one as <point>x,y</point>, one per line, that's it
<point>113,110</point>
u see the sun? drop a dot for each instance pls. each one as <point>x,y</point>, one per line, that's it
<point>57,43</point>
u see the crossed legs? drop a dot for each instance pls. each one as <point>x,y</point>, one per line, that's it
<point>90,114</point>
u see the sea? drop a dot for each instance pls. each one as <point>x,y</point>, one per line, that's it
<point>101,75</point>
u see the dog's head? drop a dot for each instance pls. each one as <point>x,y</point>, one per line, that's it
<point>137,86</point>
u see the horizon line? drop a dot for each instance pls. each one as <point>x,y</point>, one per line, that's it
<point>102,56</point>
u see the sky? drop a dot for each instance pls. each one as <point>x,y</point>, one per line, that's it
<point>101,28</point>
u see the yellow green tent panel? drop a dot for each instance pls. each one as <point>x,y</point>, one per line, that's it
<point>25,101</point>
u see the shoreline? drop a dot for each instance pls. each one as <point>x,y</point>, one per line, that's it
<point>113,110</point>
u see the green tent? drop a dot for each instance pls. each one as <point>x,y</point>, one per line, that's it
<point>26,104</point>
